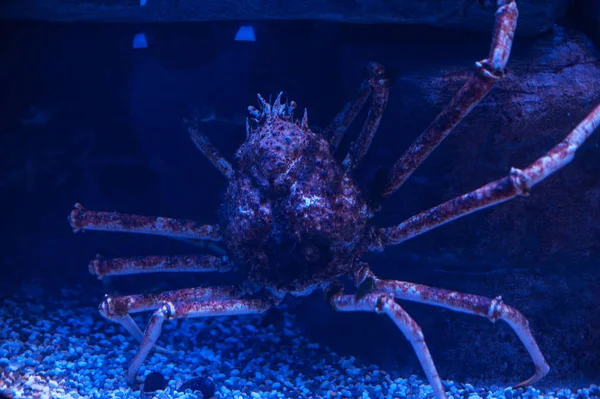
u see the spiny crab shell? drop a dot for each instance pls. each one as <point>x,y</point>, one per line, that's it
<point>293,219</point>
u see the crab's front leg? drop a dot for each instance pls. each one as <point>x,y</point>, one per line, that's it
<point>487,72</point>
<point>493,309</point>
<point>385,303</point>
<point>179,304</point>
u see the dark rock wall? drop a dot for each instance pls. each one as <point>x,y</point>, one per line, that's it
<point>586,15</point>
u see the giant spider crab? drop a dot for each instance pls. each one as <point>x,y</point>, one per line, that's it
<point>293,221</point>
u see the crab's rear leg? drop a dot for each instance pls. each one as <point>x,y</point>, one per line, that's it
<point>487,72</point>
<point>375,85</point>
<point>518,182</point>
<point>208,150</point>
<point>186,303</point>
<point>385,303</point>
<point>493,309</point>
<point>84,219</point>
<point>379,98</point>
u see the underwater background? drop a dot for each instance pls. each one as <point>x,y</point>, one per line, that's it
<point>92,111</point>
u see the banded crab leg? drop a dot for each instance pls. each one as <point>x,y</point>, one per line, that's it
<point>493,309</point>
<point>379,98</point>
<point>152,264</point>
<point>518,182</point>
<point>385,303</point>
<point>84,219</point>
<point>185,303</point>
<point>487,72</point>
<point>208,150</point>
<point>119,309</point>
<point>375,86</point>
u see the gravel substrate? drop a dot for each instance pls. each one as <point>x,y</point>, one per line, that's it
<point>57,346</point>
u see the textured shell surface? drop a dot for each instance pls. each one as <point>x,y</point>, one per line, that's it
<point>293,218</point>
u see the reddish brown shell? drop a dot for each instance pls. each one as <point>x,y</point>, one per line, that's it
<point>292,218</point>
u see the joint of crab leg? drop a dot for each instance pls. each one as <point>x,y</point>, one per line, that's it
<point>507,15</point>
<point>487,72</point>
<point>118,309</point>
<point>112,307</point>
<point>84,219</point>
<point>385,303</point>
<point>186,308</point>
<point>108,311</point>
<point>362,274</point>
<point>504,32</point>
<point>492,193</point>
<point>493,309</point>
<point>519,181</point>
<point>152,264</point>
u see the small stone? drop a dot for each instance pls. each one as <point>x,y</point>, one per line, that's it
<point>154,382</point>
<point>202,384</point>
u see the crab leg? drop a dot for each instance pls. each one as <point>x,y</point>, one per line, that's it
<point>518,182</point>
<point>493,309</point>
<point>152,264</point>
<point>376,83</point>
<point>195,302</point>
<point>210,152</point>
<point>84,219</point>
<point>379,97</point>
<point>487,72</point>
<point>384,303</point>
<point>118,309</point>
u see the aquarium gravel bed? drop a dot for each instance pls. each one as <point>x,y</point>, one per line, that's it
<point>58,346</point>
